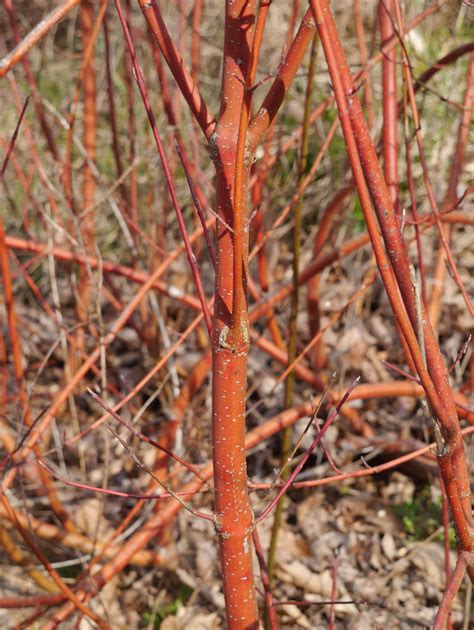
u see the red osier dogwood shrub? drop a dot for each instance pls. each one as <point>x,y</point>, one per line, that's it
<point>237,130</point>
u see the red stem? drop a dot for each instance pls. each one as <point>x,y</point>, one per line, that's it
<point>389,101</point>
<point>196,39</point>
<point>183,78</point>
<point>269,605</point>
<point>368,98</point>
<point>367,173</point>
<point>230,342</point>
<point>451,591</point>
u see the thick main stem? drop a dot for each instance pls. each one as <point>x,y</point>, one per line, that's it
<point>233,512</point>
